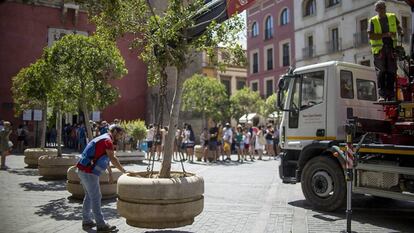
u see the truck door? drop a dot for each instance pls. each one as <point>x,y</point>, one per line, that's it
<point>307,116</point>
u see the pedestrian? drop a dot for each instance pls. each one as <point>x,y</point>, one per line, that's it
<point>382,33</point>
<point>240,144</point>
<point>5,144</point>
<point>260,142</point>
<point>177,144</point>
<point>204,143</point>
<point>247,138</point>
<point>220,141</point>
<point>150,141</point>
<point>21,138</point>
<point>269,141</point>
<point>104,128</point>
<point>94,160</point>
<point>212,143</point>
<point>189,140</point>
<point>227,141</point>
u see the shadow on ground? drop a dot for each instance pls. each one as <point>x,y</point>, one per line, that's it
<point>381,212</point>
<point>168,231</point>
<point>44,186</point>
<point>67,209</point>
<point>24,172</point>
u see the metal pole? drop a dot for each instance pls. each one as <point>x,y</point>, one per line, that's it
<point>349,129</point>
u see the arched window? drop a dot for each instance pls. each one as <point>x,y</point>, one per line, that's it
<point>269,27</point>
<point>284,17</point>
<point>255,29</point>
<point>309,7</point>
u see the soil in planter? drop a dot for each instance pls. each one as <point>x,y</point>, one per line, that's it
<point>155,175</point>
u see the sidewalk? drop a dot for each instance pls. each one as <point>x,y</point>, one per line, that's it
<point>246,197</point>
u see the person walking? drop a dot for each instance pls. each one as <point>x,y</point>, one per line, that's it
<point>94,160</point>
<point>189,140</point>
<point>4,143</point>
<point>382,33</point>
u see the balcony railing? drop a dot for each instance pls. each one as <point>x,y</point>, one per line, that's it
<point>334,46</point>
<point>308,52</point>
<point>360,39</point>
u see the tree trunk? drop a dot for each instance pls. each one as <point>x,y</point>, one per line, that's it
<point>87,125</point>
<point>173,121</point>
<point>43,126</point>
<point>59,132</point>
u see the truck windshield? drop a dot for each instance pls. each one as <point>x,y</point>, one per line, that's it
<point>312,90</point>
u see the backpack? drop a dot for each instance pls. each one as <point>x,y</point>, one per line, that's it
<point>91,163</point>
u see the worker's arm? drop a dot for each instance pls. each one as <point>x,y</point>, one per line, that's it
<point>114,160</point>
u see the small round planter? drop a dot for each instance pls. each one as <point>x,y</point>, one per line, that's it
<point>108,190</point>
<point>135,156</point>
<point>198,151</point>
<point>160,202</point>
<point>53,167</point>
<point>32,155</point>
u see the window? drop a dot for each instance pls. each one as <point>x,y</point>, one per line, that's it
<point>255,63</point>
<point>312,89</point>
<point>347,86</point>
<point>269,87</point>
<point>308,90</point>
<point>255,86</point>
<point>269,27</point>
<point>309,8</point>
<point>255,29</point>
<point>269,59</point>
<point>227,85</point>
<point>406,29</point>
<point>286,54</point>
<point>240,84</point>
<point>284,17</point>
<point>330,3</point>
<point>363,25</point>
<point>333,44</point>
<point>365,63</point>
<point>366,90</point>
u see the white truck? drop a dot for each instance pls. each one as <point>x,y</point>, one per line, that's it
<point>317,102</point>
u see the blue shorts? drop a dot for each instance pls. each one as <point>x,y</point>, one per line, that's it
<point>269,142</point>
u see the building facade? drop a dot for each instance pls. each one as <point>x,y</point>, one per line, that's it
<point>327,30</point>
<point>270,43</point>
<point>26,28</point>
<point>233,77</point>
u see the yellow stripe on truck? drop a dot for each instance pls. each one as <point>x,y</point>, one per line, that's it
<point>385,151</point>
<point>311,138</point>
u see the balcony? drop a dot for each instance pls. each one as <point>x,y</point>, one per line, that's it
<point>334,46</point>
<point>308,52</point>
<point>360,39</point>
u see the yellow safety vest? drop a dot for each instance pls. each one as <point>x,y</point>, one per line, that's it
<point>376,45</point>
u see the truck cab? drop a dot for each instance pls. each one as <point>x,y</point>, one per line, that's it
<point>317,101</point>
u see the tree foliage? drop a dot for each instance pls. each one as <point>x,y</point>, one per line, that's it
<point>245,101</point>
<point>161,36</point>
<point>136,129</point>
<point>270,105</point>
<point>204,95</point>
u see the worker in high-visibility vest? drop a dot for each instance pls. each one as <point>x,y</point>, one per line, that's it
<point>382,33</point>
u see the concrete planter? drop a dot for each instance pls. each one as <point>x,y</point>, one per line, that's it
<point>53,167</point>
<point>198,151</point>
<point>160,202</point>
<point>108,191</point>
<point>135,156</point>
<point>32,155</point>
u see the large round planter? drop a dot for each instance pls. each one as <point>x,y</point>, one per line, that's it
<point>53,167</point>
<point>108,190</point>
<point>32,155</point>
<point>198,151</point>
<point>135,156</point>
<point>160,202</point>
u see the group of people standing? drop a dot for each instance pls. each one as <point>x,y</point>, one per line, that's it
<point>247,141</point>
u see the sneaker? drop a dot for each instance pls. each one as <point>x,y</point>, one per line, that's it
<point>88,225</point>
<point>106,228</point>
<point>381,99</point>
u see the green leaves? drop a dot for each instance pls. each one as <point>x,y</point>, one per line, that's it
<point>245,101</point>
<point>135,129</point>
<point>204,95</point>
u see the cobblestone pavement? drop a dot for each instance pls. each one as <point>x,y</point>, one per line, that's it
<point>246,197</point>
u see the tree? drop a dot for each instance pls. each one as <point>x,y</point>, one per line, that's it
<point>30,87</point>
<point>245,101</point>
<point>270,106</point>
<point>204,95</point>
<point>162,40</point>
<point>83,67</point>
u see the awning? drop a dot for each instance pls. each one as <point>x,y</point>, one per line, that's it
<point>275,115</point>
<point>247,117</point>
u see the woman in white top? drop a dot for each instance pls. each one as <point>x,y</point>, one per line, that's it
<point>260,142</point>
<point>189,140</point>
<point>247,138</point>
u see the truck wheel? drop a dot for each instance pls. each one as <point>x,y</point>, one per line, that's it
<point>323,183</point>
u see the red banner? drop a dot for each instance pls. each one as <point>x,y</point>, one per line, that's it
<point>237,6</point>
